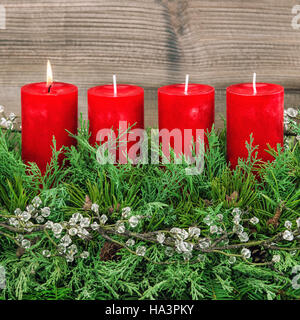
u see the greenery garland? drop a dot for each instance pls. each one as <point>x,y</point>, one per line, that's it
<point>91,231</point>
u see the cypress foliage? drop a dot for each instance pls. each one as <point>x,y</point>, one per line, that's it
<point>167,198</point>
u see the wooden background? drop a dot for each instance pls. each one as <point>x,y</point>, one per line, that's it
<point>149,43</point>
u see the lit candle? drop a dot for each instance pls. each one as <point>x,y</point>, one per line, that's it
<point>255,108</point>
<point>186,106</point>
<point>109,105</point>
<point>48,110</point>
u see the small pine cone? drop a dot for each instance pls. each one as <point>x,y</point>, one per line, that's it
<point>87,203</point>
<point>109,251</point>
<point>258,254</point>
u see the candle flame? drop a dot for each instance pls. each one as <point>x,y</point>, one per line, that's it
<point>49,75</point>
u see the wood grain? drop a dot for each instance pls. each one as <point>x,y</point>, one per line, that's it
<point>149,43</point>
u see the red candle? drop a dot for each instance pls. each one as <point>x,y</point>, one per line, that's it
<point>109,106</point>
<point>257,109</point>
<point>48,109</point>
<point>186,107</point>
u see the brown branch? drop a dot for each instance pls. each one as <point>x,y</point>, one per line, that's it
<point>151,237</point>
<point>17,230</point>
<point>9,228</point>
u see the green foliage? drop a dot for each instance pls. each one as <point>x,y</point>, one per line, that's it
<point>234,181</point>
<point>13,195</point>
<point>168,198</point>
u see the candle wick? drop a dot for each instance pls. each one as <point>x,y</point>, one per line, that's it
<point>49,88</point>
<point>186,84</point>
<point>115,85</point>
<point>254,83</point>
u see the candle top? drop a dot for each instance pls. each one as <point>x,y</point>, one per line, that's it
<point>123,90</point>
<point>57,88</point>
<point>262,89</point>
<point>193,89</point>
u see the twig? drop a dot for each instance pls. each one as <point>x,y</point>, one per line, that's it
<point>107,231</point>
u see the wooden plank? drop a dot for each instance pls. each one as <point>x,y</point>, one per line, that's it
<point>149,43</point>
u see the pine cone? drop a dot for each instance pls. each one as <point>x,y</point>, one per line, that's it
<point>258,254</point>
<point>109,251</point>
<point>233,198</point>
<point>87,203</point>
